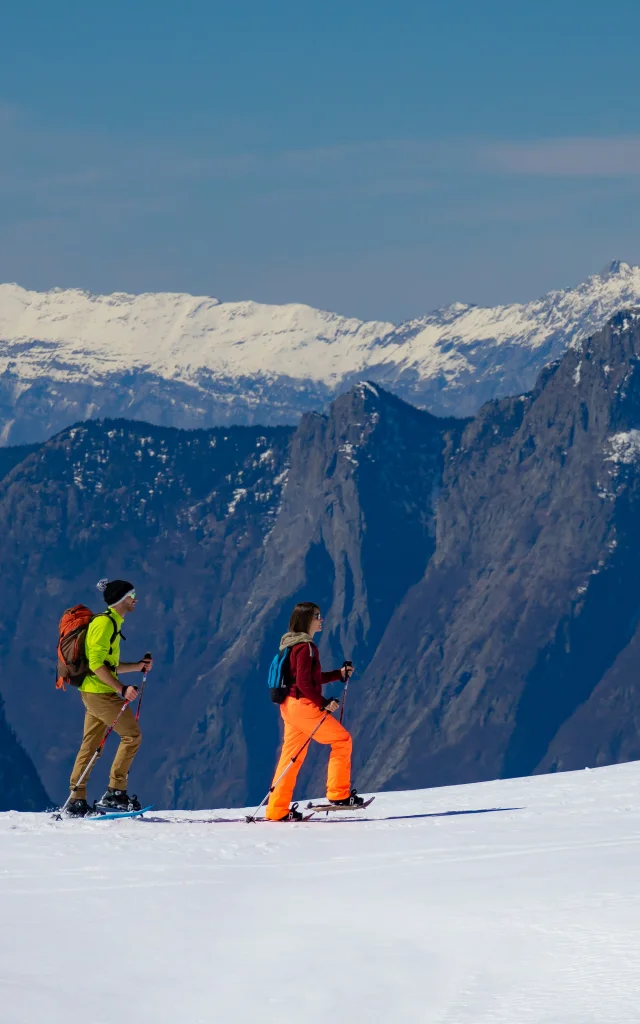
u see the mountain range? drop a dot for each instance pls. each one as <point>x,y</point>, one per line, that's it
<point>482,573</point>
<point>186,361</point>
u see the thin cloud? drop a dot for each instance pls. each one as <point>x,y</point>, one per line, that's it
<point>46,166</point>
<point>9,114</point>
<point>579,157</point>
<point>376,158</point>
<point>62,173</point>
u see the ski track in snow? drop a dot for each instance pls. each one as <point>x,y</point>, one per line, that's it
<point>508,902</point>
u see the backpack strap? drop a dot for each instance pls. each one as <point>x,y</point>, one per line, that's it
<point>116,630</point>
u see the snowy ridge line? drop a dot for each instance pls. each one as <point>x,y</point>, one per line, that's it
<point>71,334</point>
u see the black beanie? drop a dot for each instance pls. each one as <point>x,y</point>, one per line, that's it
<point>114,590</point>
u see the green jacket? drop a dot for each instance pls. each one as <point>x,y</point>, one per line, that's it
<point>99,649</point>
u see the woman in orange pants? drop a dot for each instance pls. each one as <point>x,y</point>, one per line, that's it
<point>302,710</point>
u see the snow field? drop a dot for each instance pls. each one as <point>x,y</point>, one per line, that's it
<point>71,335</point>
<point>507,902</point>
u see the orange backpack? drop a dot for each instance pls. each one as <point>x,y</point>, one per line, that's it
<point>73,666</point>
<point>72,661</point>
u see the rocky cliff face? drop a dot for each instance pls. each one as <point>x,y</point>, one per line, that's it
<point>356,530</point>
<point>518,645</point>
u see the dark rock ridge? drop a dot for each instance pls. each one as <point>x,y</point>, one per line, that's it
<point>30,414</point>
<point>483,575</point>
<point>20,785</point>
<point>13,456</point>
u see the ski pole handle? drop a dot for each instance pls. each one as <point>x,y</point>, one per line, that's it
<point>346,665</point>
<point>144,680</point>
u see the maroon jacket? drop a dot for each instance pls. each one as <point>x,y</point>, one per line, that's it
<point>307,674</point>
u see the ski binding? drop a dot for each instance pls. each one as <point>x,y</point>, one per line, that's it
<point>325,808</point>
<point>105,815</point>
<point>250,819</point>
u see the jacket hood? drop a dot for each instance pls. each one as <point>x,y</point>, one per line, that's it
<point>291,639</point>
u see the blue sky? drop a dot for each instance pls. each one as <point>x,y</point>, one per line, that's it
<point>378,158</point>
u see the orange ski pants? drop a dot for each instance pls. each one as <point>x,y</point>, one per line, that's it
<point>300,717</point>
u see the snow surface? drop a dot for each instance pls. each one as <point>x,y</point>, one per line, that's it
<point>624,446</point>
<point>509,902</point>
<point>71,335</point>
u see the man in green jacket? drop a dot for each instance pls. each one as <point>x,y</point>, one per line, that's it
<point>102,695</point>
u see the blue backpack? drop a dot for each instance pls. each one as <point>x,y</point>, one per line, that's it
<point>279,679</point>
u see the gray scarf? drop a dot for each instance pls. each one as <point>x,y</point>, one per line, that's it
<point>291,639</point>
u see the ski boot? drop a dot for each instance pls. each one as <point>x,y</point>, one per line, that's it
<point>353,800</point>
<point>77,809</point>
<point>293,814</point>
<point>118,800</point>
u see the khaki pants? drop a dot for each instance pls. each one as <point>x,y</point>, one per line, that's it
<point>101,711</point>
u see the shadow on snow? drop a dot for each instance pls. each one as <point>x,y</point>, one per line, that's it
<point>327,817</point>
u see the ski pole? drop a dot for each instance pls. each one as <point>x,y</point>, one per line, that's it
<point>347,664</point>
<point>252,817</point>
<point>98,751</point>
<point>144,680</point>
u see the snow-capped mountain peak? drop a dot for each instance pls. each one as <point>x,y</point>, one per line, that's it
<point>174,335</point>
<point>616,268</point>
<point>197,361</point>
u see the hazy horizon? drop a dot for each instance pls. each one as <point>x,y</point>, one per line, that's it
<point>380,162</point>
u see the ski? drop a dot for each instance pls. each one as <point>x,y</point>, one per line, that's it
<point>250,820</point>
<point>325,808</point>
<point>220,821</point>
<point>102,816</point>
